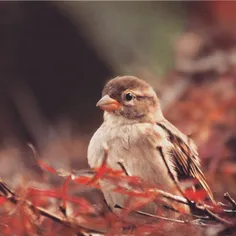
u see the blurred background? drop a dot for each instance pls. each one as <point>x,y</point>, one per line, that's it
<point>56,57</point>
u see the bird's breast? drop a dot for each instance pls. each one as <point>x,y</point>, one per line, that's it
<point>135,147</point>
<point>119,140</point>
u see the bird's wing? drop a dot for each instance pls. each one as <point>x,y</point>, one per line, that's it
<point>184,156</point>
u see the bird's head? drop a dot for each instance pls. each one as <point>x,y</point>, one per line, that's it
<point>130,98</point>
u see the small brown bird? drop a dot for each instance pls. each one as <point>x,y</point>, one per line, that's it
<point>135,129</point>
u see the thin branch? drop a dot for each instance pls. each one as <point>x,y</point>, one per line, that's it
<point>218,218</point>
<point>230,199</point>
<point>154,216</point>
<point>15,199</point>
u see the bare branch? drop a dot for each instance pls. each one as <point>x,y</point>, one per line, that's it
<point>230,199</point>
<point>15,199</point>
<point>218,218</point>
<point>155,216</point>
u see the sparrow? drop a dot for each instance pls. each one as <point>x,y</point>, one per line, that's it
<point>138,136</point>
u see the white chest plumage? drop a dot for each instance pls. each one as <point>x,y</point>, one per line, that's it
<point>130,145</point>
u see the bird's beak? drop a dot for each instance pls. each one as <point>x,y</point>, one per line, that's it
<point>107,103</point>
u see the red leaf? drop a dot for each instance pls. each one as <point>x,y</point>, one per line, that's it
<point>199,195</point>
<point>82,202</point>
<point>102,169</point>
<point>46,167</point>
<point>99,173</point>
<point>86,180</point>
<point>2,200</point>
<point>112,172</point>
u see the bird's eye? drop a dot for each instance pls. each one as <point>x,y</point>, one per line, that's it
<point>129,96</point>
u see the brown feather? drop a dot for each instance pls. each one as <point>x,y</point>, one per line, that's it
<point>185,156</point>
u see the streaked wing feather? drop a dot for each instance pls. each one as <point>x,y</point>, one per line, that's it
<point>185,156</point>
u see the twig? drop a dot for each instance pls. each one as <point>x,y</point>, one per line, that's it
<point>154,216</point>
<point>15,199</point>
<point>7,192</point>
<point>230,199</point>
<point>218,218</point>
<point>33,149</point>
